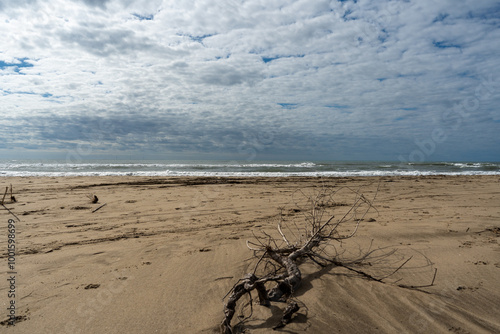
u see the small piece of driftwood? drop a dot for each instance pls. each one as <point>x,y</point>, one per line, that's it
<point>12,198</point>
<point>99,208</point>
<point>5,194</point>
<point>6,208</point>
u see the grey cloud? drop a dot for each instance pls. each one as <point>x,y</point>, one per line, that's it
<point>96,3</point>
<point>105,42</point>
<point>169,131</point>
<point>6,4</point>
<point>227,75</point>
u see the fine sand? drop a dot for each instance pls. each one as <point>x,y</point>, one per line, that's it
<point>163,252</point>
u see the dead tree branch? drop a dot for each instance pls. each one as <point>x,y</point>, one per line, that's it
<point>318,236</point>
<point>12,198</point>
<point>304,240</point>
<point>5,194</point>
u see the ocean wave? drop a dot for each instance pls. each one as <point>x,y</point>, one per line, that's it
<point>475,165</point>
<point>457,164</point>
<point>242,174</point>
<point>240,168</point>
<point>10,166</point>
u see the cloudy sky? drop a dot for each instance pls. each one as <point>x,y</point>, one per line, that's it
<point>251,79</point>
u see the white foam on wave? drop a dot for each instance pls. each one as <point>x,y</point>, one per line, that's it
<point>246,169</point>
<point>13,166</point>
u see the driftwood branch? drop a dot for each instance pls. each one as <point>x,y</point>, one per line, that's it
<point>281,259</point>
<point>287,315</point>
<point>12,198</point>
<point>12,213</point>
<point>5,194</point>
<point>312,238</point>
<point>99,208</point>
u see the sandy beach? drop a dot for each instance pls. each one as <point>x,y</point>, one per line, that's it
<point>161,254</point>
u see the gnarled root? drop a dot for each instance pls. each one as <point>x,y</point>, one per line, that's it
<point>292,280</point>
<point>287,284</point>
<point>247,284</point>
<point>287,314</point>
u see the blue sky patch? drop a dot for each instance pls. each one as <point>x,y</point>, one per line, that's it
<point>20,92</point>
<point>22,63</point>
<point>288,105</point>
<point>144,18</point>
<point>200,38</point>
<point>347,17</point>
<point>440,18</point>
<point>270,59</point>
<point>446,44</point>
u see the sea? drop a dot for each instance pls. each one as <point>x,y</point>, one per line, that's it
<point>61,168</point>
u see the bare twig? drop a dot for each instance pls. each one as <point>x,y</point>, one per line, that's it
<point>5,194</point>
<point>99,207</point>
<point>420,286</point>
<point>12,198</point>
<point>282,234</point>
<point>397,269</point>
<point>6,208</point>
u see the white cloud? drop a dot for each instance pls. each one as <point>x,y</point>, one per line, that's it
<point>200,75</point>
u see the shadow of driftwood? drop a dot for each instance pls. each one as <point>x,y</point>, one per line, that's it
<point>382,265</point>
